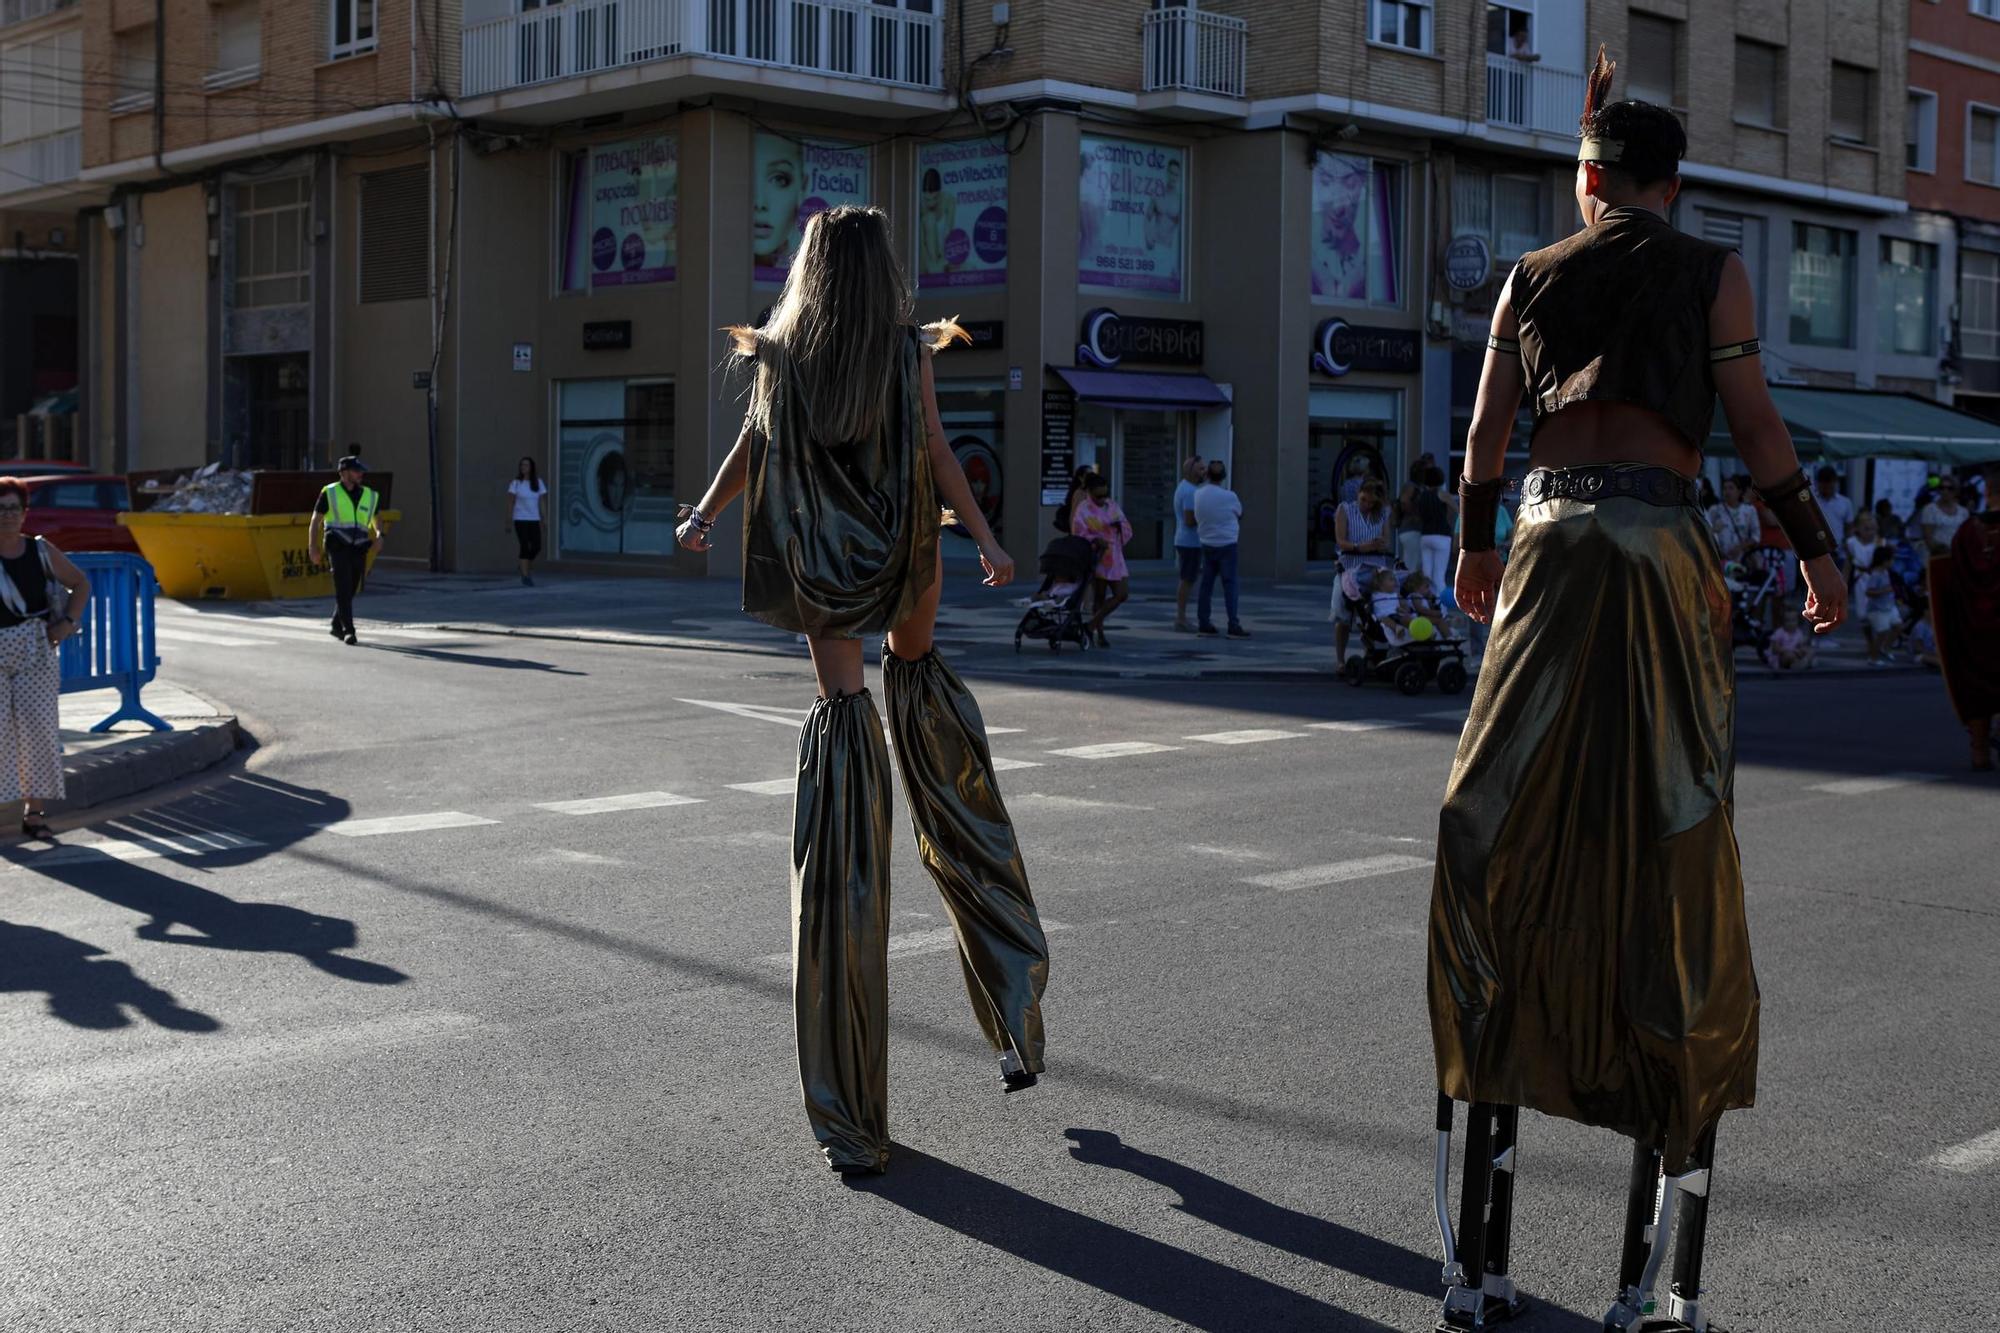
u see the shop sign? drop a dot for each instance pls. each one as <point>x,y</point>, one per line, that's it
<point>794,179</point>
<point>1109,338</point>
<point>1339,347</point>
<point>1468,263</point>
<point>607,335</point>
<point>987,334</point>
<point>1058,444</point>
<point>962,214</point>
<point>524,356</point>
<point>634,211</point>
<point>1130,199</point>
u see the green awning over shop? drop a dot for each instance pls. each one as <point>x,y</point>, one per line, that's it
<point>1866,423</point>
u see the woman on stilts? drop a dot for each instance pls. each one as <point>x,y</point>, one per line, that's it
<point>1589,954</point>
<point>845,462</point>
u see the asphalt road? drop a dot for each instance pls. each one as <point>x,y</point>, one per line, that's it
<point>493,1065</point>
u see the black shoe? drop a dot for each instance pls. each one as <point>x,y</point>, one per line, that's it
<point>1102,642</point>
<point>351,640</point>
<point>527,582</point>
<point>1238,632</point>
<point>1014,1075</point>
<point>1208,629</point>
<point>337,632</point>
<point>34,826</point>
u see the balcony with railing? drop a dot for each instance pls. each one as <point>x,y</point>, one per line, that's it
<point>1191,50</point>
<point>1528,95</point>
<point>847,39</point>
<point>20,11</point>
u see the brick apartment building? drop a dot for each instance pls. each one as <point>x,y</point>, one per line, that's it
<point>1268,231</point>
<point>1952,153</point>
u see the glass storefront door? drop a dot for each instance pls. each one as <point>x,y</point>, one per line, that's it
<point>614,485</point>
<point>1354,433</point>
<point>1141,452</point>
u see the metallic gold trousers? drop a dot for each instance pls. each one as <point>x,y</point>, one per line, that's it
<point>840,894</point>
<point>1589,952</point>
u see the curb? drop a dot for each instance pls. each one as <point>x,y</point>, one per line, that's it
<point>148,761</point>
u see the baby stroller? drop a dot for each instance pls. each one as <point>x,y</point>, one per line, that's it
<point>1410,664</point>
<point>1055,612</point>
<point>1751,583</point>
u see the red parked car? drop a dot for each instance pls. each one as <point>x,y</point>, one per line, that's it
<point>78,511</point>
<point>39,467</point>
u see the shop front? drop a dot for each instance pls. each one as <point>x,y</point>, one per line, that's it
<point>1358,419</point>
<point>613,491</point>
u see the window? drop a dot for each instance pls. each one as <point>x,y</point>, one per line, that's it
<point>1920,131</point>
<point>1357,229</point>
<point>1907,283</point>
<point>1744,234</point>
<point>1506,210</point>
<point>1405,23</point>
<point>395,252</point>
<point>613,492</point>
<point>1982,145</point>
<point>1986,8</point>
<point>239,43</point>
<point>132,74</point>
<point>1822,285</point>
<point>1760,72</point>
<point>39,83</point>
<point>1510,30</point>
<point>353,28</point>
<point>1652,59</point>
<point>1979,305</point>
<point>1851,117</point>
<point>66,495</point>
<point>273,256</point>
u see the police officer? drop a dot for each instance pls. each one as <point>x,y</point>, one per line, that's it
<point>345,518</point>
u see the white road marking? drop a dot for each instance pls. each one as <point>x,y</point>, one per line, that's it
<point>1362,724</point>
<point>166,635</point>
<point>784,717</point>
<point>287,627</point>
<point>1249,736</point>
<point>1863,786</point>
<point>1003,731</point>
<point>774,787</point>
<point>133,849</point>
<point>1340,872</point>
<point>1229,853</point>
<point>1002,765</point>
<point>903,944</point>
<point>1075,802</point>
<point>580,858</point>
<point>1447,714</point>
<point>599,805</point>
<point>1970,1156</point>
<point>370,828</point>
<point>1113,750</point>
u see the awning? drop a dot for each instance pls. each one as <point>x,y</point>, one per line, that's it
<point>1867,423</point>
<point>1142,389</point>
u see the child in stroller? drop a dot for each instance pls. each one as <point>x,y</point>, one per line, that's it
<point>1403,636</point>
<point>1055,612</point>
<point>1752,583</point>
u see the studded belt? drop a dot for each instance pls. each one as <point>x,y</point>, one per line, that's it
<point>1606,481</point>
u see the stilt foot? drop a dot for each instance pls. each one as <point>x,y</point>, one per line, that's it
<point>1465,1309</point>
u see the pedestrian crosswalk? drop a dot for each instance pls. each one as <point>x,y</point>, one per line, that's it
<point>177,625</point>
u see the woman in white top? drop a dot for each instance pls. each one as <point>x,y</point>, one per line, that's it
<point>1861,544</point>
<point>1734,522</point>
<point>526,497</point>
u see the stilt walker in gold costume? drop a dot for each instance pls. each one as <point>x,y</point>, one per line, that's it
<point>1589,956</point>
<point>844,462</point>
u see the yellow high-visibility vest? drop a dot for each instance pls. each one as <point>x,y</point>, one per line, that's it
<point>347,516</point>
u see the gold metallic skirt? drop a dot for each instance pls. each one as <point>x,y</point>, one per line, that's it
<point>1589,955</point>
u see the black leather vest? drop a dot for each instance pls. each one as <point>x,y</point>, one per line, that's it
<point>1619,312</point>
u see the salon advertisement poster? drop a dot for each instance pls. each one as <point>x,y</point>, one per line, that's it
<point>1130,202</point>
<point>634,211</point>
<point>794,179</point>
<point>962,214</point>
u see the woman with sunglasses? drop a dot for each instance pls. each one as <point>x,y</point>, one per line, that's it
<point>41,596</point>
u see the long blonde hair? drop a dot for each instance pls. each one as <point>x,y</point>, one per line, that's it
<point>834,335</point>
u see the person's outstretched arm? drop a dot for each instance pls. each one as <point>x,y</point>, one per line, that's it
<point>730,479</point>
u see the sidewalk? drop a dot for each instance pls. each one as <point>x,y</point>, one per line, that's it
<point>100,767</point>
<point>1292,639</point>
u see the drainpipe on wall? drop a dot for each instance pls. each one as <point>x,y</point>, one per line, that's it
<point>159,85</point>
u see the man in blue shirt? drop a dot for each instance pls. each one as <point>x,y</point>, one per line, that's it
<point>1187,537</point>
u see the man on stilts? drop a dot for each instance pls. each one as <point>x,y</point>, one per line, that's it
<point>1589,955</point>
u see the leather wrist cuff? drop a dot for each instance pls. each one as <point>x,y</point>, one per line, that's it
<point>1792,504</point>
<point>1478,512</point>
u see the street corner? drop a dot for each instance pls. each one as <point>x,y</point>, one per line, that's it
<point>132,758</point>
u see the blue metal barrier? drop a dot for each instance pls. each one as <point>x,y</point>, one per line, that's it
<point>114,647</point>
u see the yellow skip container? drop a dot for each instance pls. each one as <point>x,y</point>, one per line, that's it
<point>236,557</point>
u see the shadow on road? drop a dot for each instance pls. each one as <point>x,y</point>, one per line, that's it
<point>86,987</point>
<point>1224,1205</point>
<point>177,911</point>
<point>1175,1283</point>
<point>474,659</point>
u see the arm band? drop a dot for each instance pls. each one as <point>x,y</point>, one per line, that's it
<point>1503,345</point>
<point>1733,351</point>
<point>1478,512</point>
<point>1798,513</point>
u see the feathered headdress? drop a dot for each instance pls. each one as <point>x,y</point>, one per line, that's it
<point>1596,95</point>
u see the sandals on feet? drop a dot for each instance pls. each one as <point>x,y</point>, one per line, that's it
<point>34,826</point>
